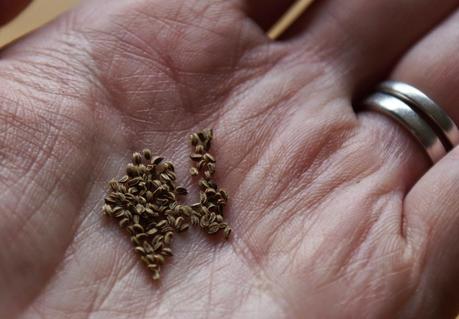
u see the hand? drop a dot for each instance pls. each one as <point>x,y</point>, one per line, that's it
<point>334,215</point>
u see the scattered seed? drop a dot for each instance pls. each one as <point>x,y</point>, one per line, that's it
<point>194,171</point>
<point>156,160</point>
<point>139,250</point>
<point>180,190</point>
<point>136,158</point>
<point>147,154</point>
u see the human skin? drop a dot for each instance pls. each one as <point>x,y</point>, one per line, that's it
<point>335,214</point>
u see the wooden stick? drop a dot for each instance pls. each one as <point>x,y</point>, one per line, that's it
<point>287,19</point>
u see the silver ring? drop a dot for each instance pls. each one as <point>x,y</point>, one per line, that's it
<point>425,105</point>
<point>400,111</point>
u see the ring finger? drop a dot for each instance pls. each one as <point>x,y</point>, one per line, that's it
<point>431,207</point>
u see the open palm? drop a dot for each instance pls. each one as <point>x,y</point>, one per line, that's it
<point>334,215</point>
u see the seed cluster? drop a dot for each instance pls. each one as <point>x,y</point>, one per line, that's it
<point>144,202</point>
<point>212,200</point>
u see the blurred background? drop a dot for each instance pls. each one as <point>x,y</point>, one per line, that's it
<point>38,13</point>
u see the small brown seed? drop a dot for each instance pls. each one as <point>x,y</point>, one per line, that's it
<point>135,241</point>
<point>212,218</point>
<point>204,210</point>
<point>204,221</point>
<point>133,181</point>
<point>194,220</point>
<point>156,274</point>
<point>165,177</point>
<point>153,267</point>
<point>161,224</point>
<point>121,213</point>
<point>157,183</point>
<point>208,158</point>
<point>210,192</point>
<point>184,227</point>
<point>203,198</point>
<point>147,154</point>
<point>201,164</point>
<point>114,185</point>
<point>152,231</point>
<point>227,231</point>
<point>211,168</point>
<point>142,169</point>
<point>213,228</point>
<point>168,237</point>
<point>199,149</point>
<point>196,157</point>
<point>139,250</point>
<point>166,252</point>
<point>202,136</point>
<point>209,133</point>
<point>224,194</point>
<point>145,260</point>
<point>151,259</point>
<point>131,230</point>
<point>147,247</point>
<point>180,190</point>
<point>123,223</point>
<point>194,139</point>
<point>171,220</point>
<point>194,171</point>
<point>172,175</point>
<point>179,221</point>
<point>204,184</point>
<point>167,166</point>
<point>136,158</point>
<point>156,160</point>
<point>139,208</point>
<point>137,228</point>
<point>159,259</point>
<point>107,209</point>
<point>196,206</point>
<point>124,179</point>
<point>141,236</point>
<point>131,170</point>
<point>157,245</point>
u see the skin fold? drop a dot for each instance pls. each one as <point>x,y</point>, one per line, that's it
<point>335,214</point>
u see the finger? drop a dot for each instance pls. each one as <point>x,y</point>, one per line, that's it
<point>363,38</point>
<point>10,9</point>
<point>432,208</point>
<point>431,227</point>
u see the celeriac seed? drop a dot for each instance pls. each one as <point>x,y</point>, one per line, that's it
<point>180,190</point>
<point>156,274</point>
<point>147,154</point>
<point>136,158</point>
<point>159,259</point>
<point>156,160</point>
<point>208,158</point>
<point>139,250</point>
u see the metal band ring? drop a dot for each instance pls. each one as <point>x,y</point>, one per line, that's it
<point>408,118</point>
<point>425,105</point>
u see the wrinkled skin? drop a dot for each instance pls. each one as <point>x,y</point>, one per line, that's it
<point>335,215</point>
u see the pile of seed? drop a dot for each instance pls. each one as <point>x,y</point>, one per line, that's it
<point>144,202</point>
